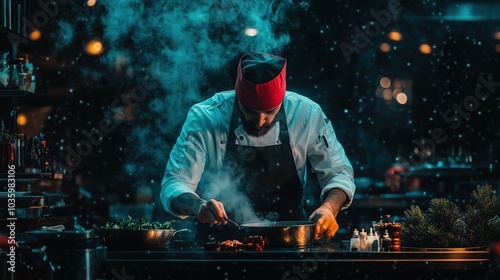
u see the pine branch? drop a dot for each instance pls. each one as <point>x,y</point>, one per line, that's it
<point>444,225</point>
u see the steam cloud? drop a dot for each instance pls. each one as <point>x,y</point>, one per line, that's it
<point>224,188</point>
<point>179,43</point>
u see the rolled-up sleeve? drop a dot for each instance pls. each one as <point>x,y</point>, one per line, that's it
<point>185,165</point>
<point>198,150</point>
<point>328,158</point>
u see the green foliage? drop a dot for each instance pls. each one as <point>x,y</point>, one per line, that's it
<point>444,225</point>
<point>141,224</point>
<point>482,219</point>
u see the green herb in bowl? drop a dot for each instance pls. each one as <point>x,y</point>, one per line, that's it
<point>140,224</point>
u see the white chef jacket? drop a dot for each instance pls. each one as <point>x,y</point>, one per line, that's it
<point>199,151</point>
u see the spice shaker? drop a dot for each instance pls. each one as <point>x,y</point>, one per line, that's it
<point>393,229</point>
<point>362,240</point>
<point>395,234</point>
<point>355,242</point>
<point>372,242</point>
<point>386,242</point>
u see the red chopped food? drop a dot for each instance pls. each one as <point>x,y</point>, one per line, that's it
<point>258,247</point>
<point>255,243</point>
<point>255,240</point>
<point>251,243</point>
<point>232,245</point>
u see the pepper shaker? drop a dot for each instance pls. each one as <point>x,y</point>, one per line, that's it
<point>386,242</point>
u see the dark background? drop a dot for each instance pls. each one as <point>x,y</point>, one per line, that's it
<point>76,90</point>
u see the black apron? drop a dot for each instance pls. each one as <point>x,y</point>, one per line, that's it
<point>271,181</point>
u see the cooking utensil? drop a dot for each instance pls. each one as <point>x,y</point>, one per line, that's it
<point>282,233</point>
<point>233,222</point>
<point>131,239</point>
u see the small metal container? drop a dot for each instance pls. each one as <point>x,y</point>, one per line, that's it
<point>16,66</point>
<point>131,239</point>
<point>67,254</point>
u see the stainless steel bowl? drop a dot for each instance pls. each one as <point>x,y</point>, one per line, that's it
<point>130,239</point>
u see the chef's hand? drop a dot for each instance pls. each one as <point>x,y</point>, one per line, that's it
<point>326,224</point>
<point>325,215</point>
<point>212,211</point>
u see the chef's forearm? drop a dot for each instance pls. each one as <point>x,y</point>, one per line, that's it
<point>334,200</point>
<point>187,204</point>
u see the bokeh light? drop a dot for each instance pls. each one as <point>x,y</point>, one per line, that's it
<point>395,92</point>
<point>425,49</point>
<point>385,47</point>
<point>385,82</point>
<point>251,32</point>
<point>21,120</point>
<point>94,47</point>
<point>395,36</point>
<point>387,94</point>
<point>35,35</point>
<point>398,83</point>
<point>401,98</point>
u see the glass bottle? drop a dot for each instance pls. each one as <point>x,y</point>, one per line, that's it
<point>386,242</point>
<point>355,242</point>
<point>362,240</point>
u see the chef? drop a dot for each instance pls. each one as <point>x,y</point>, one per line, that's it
<point>254,143</point>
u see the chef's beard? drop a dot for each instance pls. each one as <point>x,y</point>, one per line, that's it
<point>251,129</point>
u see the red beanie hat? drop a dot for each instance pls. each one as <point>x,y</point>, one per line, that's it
<point>261,81</point>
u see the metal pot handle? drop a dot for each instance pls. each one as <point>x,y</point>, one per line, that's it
<point>184,229</point>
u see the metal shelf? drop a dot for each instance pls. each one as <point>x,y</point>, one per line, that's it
<point>33,176</point>
<point>14,93</point>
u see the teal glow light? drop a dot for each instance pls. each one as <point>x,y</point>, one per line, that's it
<point>472,12</point>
